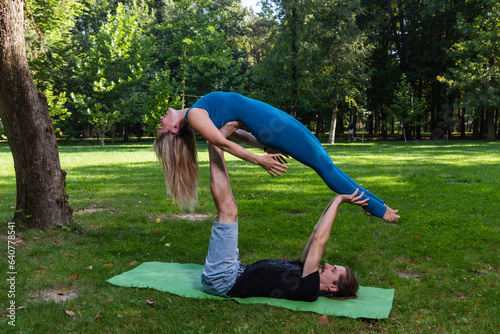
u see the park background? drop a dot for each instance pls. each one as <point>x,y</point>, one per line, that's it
<point>419,78</point>
<point>110,68</point>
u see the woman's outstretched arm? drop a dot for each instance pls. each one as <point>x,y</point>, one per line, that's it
<point>200,122</point>
<point>235,130</point>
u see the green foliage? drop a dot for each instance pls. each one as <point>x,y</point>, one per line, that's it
<point>57,107</point>
<point>198,47</point>
<point>50,53</point>
<point>343,49</point>
<point>477,74</point>
<point>303,56</point>
<point>441,257</point>
<point>102,119</point>
<point>53,19</point>
<point>406,107</point>
<point>160,98</point>
<point>281,68</point>
<point>412,38</point>
<point>116,68</point>
<point>319,52</point>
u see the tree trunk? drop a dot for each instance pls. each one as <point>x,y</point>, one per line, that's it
<point>42,201</point>
<point>369,123</point>
<point>113,128</point>
<point>333,125</point>
<point>482,125</point>
<point>490,123</point>
<point>496,123</point>
<point>462,123</point>
<point>340,126</point>
<point>475,128</point>
<point>125,133</point>
<point>383,125</point>
<point>319,121</point>
<point>294,91</point>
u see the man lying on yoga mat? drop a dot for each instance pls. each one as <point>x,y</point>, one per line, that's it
<point>224,275</point>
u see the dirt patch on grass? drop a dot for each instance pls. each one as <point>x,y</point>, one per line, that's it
<point>401,259</point>
<point>188,216</point>
<point>90,210</point>
<point>57,295</point>
<point>410,275</point>
<point>297,213</point>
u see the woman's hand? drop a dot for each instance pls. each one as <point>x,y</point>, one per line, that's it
<point>230,129</point>
<point>280,158</point>
<point>271,164</point>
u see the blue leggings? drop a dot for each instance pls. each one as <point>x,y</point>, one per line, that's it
<point>307,149</point>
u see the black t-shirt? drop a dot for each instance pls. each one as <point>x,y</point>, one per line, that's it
<point>276,279</point>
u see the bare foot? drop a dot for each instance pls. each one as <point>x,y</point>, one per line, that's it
<point>228,128</point>
<point>391,215</point>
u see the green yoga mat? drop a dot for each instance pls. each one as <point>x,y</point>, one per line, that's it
<point>184,280</point>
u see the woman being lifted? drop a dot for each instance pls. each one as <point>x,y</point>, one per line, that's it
<point>277,133</point>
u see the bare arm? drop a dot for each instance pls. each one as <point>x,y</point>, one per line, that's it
<point>315,230</point>
<point>200,122</point>
<point>319,237</point>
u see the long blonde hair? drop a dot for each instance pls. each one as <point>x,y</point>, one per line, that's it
<point>177,154</point>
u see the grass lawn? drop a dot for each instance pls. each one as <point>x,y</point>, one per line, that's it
<point>442,257</point>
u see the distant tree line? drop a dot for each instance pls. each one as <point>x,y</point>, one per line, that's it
<point>111,68</point>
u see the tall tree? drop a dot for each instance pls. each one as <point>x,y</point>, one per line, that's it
<point>113,74</point>
<point>406,107</point>
<point>48,57</point>
<point>199,55</point>
<point>318,60</point>
<point>412,37</point>
<point>337,62</point>
<point>477,74</point>
<point>42,201</point>
<point>284,62</point>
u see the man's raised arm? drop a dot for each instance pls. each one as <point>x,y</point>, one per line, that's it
<point>313,252</point>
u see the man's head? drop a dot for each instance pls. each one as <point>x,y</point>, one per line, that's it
<point>337,282</point>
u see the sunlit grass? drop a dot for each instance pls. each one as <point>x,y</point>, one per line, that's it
<point>442,257</point>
